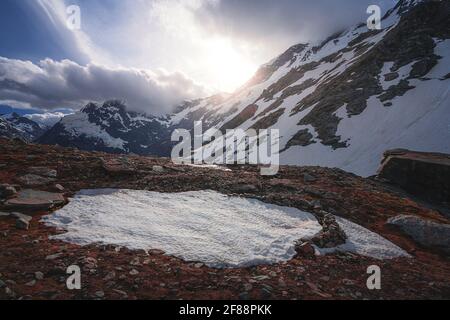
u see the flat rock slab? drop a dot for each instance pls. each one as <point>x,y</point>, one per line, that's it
<point>35,200</point>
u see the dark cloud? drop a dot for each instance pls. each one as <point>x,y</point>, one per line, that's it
<point>52,85</point>
<point>284,22</point>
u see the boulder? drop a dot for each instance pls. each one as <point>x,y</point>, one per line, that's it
<point>426,175</point>
<point>43,172</point>
<point>22,224</point>
<point>426,233</point>
<point>33,180</point>
<point>7,191</point>
<point>35,200</point>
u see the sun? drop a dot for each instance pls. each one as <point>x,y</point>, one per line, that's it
<point>229,66</point>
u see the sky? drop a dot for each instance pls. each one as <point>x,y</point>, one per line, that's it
<point>152,53</point>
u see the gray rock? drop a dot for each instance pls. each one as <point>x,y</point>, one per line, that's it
<point>391,76</point>
<point>53,256</point>
<point>22,224</point>
<point>427,233</point>
<point>59,187</point>
<point>32,283</point>
<point>246,188</point>
<point>32,180</point>
<point>158,169</point>
<point>4,214</point>
<point>309,178</point>
<point>22,216</point>
<point>7,191</point>
<point>43,172</point>
<point>39,275</point>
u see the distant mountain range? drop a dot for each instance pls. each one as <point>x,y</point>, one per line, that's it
<point>340,103</point>
<point>15,126</point>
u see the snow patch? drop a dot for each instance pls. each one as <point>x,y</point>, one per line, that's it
<point>206,226</point>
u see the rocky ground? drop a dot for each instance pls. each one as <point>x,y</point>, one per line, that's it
<point>34,267</point>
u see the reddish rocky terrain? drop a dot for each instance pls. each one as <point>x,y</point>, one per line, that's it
<point>34,267</point>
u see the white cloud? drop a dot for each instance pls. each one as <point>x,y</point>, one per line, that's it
<point>66,84</point>
<point>46,119</point>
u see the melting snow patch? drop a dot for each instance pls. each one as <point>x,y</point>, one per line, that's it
<point>206,226</point>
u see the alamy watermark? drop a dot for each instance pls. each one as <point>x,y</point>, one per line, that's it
<point>374,20</point>
<point>237,146</point>
<point>374,280</point>
<point>73,17</point>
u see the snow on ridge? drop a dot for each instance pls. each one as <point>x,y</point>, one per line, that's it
<point>78,124</point>
<point>201,226</point>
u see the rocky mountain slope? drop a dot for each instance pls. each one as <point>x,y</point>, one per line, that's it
<point>15,126</point>
<point>340,103</point>
<point>345,101</point>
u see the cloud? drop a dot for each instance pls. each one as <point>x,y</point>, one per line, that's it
<point>51,85</point>
<point>46,119</point>
<point>283,22</point>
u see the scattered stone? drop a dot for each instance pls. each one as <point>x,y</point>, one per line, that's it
<point>7,191</point>
<point>18,215</point>
<point>135,262</point>
<point>246,188</point>
<point>59,188</point>
<point>32,283</point>
<point>4,214</point>
<point>134,272</point>
<point>53,256</point>
<point>43,172</point>
<point>39,275</point>
<point>309,178</point>
<point>32,180</point>
<point>158,169</point>
<point>248,287</point>
<point>110,276</point>
<point>199,265</point>
<point>244,296</point>
<point>266,293</point>
<point>100,294</point>
<point>10,293</point>
<point>122,293</point>
<point>427,233</point>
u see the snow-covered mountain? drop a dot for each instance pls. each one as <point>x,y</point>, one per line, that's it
<point>340,103</point>
<point>110,128</point>
<point>15,126</point>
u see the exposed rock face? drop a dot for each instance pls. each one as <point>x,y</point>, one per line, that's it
<point>427,233</point>
<point>423,174</point>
